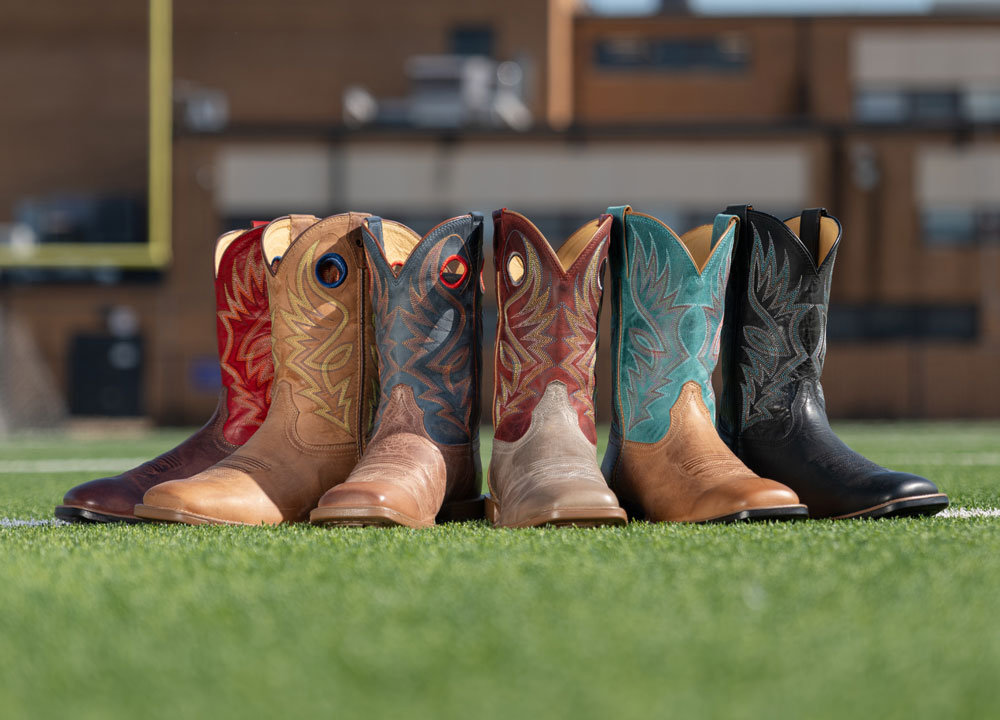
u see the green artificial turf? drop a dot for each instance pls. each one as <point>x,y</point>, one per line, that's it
<point>817,619</point>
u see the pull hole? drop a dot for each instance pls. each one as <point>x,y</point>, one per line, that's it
<point>515,269</point>
<point>453,271</point>
<point>331,270</point>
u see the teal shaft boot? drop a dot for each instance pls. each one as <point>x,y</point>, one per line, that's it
<point>665,460</point>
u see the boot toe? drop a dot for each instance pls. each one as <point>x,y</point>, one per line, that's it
<point>905,485</point>
<point>565,502</point>
<point>371,493</point>
<point>106,496</point>
<point>771,493</point>
<point>220,495</point>
<point>401,479</point>
<point>742,494</point>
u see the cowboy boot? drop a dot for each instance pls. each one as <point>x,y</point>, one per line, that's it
<point>243,328</point>
<point>665,461</point>
<point>544,465</point>
<point>321,401</point>
<point>772,411</point>
<point>422,462</point>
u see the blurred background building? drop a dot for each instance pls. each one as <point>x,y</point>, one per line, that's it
<point>555,108</point>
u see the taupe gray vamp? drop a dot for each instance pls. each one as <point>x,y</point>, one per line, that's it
<point>550,476</point>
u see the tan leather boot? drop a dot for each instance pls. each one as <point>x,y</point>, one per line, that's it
<point>665,459</point>
<point>243,328</point>
<point>324,382</point>
<point>423,461</point>
<point>544,465</point>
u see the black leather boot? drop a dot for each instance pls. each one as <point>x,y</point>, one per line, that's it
<point>772,413</point>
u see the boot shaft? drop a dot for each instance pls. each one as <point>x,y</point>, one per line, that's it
<point>427,307</point>
<point>320,328</point>
<point>549,306</point>
<point>668,295</point>
<point>243,330</point>
<point>774,335</point>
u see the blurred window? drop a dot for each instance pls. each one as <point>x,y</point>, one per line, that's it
<point>935,105</point>
<point>723,53</point>
<point>988,226</point>
<point>948,227</point>
<point>472,40</point>
<point>888,106</point>
<point>872,323</point>
<point>960,227</point>
<point>900,105</point>
<point>83,218</point>
<point>982,104</point>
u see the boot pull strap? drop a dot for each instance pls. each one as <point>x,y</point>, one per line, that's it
<point>618,212</point>
<point>742,213</point>
<point>809,227</point>
<point>478,224</point>
<point>498,237</point>
<point>374,224</point>
<point>618,251</point>
<point>720,225</point>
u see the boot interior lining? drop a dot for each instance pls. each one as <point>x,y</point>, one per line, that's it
<point>222,244</point>
<point>697,242</point>
<point>828,234</point>
<point>699,245</point>
<point>571,249</point>
<point>279,234</point>
<point>515,268</point>
<point>398,242</point>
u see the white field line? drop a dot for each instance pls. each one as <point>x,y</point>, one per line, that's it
<point>959,512</point>
<point>15,522</point>
<point>31,467</point>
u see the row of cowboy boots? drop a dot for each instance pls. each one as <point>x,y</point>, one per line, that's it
<point>327,280</point>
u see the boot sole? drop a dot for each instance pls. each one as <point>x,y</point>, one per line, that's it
<point>903,507</point>
<point>781,512</point>
<point>364,516</point>
<point>71,514</point>
<point>374,515</point>
<point>149,512</point>
<point>577,517</point>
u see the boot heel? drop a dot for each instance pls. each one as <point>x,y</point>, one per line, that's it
<point>462,510</point>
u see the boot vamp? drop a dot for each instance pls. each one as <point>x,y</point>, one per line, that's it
<point>401,415</point>
<point>552,467</point>
<point>118,495</point>
<point>268,480</point>
<point>829,477</point>
<point>402,472</point>
<point>223,495</point>
<point>690,475</point>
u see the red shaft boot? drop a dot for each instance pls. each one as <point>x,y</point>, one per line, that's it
<point>243,324</point>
